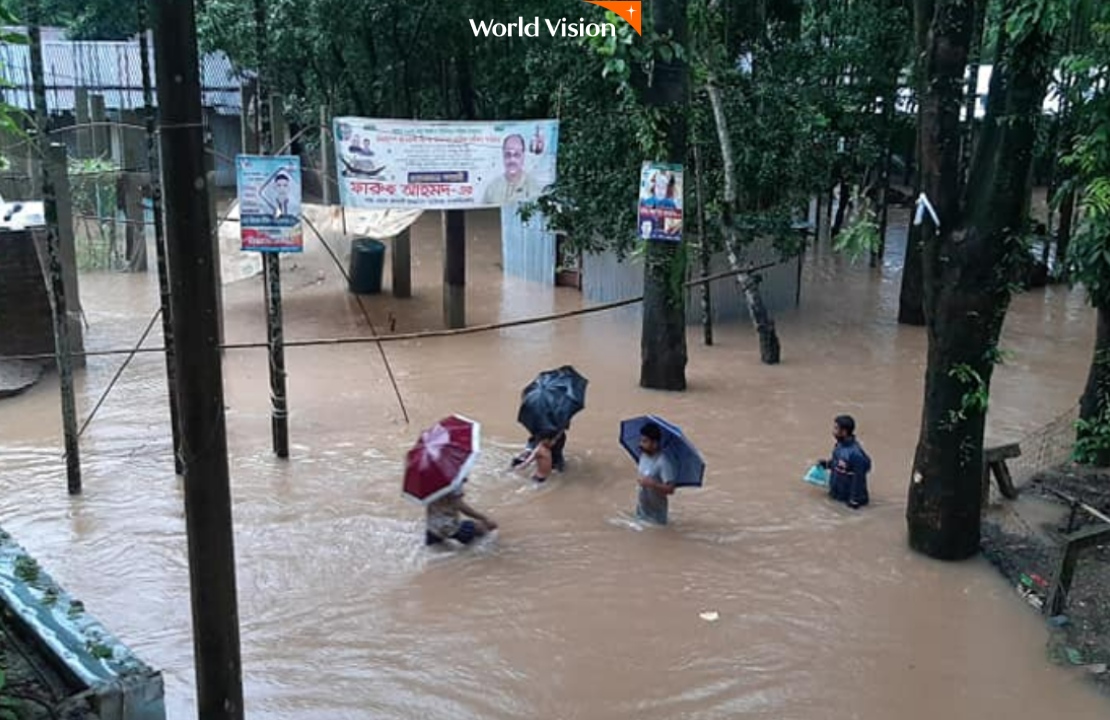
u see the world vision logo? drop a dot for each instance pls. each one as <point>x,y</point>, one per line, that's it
<point>628,11</point>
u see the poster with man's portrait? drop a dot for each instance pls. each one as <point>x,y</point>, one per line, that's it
<point>660,206</point>
<point>270,202</point>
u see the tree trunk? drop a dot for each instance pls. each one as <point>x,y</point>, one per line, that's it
<point>971,95</point>
<point>889,100</point>
<point>968,267</point>
<point>1063,234</point>
<point>841,207</point>
<point>769,348</point>
<point>467,97</point>
<point>663,336</point>
<point>911,309</point>
<point>1095,403</point>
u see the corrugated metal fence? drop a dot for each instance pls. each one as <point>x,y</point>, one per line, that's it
<point>111,69</point>
<point>605,279</point>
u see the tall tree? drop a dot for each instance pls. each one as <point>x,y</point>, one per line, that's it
<point>663,337</point>
<point>713,56</point>
<point>970,260</point>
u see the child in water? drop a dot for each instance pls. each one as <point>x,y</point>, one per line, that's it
<point>543,455</point>
<point>442,521</point>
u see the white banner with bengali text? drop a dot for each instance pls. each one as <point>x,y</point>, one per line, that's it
<point>443,165</point>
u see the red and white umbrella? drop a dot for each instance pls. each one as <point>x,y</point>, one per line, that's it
<point>441,459</point>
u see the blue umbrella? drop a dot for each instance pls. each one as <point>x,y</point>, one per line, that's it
<point>689,467</point>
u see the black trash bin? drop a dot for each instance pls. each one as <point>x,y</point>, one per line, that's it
<point>367,266</point>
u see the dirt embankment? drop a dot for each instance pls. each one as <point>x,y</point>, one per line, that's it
<point>1023,540</point>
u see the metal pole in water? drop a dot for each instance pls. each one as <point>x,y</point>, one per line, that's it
<point>52,157</point>
<point>199,370</point>
<point>279,409</point>
<point>159,232</point>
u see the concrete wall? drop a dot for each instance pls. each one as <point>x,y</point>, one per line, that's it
<point>605,279</point>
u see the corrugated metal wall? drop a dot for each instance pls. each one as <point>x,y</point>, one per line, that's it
<point>527,249</point>
<point>111,69</point>
<point>605,279</point>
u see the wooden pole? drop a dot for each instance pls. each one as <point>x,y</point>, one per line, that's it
<point>53,272</point>
<point>208,521</point>
<point>272,117</point>
<point>65,323</point>
<point>67,254</point>
<point>154,169</point>
<point>454,269</point>
<point>325,156</point>
<point>402,264</point>
<point>102,143</point>
<point>210,173</point>
<point>248,94</point>
<point>81,115</point>
<point>133,157</point>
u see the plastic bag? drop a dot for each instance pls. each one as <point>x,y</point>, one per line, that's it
<point>818,476</point>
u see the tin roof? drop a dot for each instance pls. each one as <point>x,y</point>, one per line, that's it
<point>111,69</point>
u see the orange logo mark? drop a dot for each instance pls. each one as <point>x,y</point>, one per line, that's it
<point>630,11</point>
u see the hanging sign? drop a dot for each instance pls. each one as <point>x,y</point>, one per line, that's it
<point>269,203</point>
<point>441,165</point>
<point>660,206</point>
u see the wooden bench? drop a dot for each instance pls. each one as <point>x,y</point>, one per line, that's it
<point>994,463</point>
<point>1074,543</point>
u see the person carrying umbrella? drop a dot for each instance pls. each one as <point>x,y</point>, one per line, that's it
<point>443,522</point>
<point>657,476</point>
<point>547,405</point>
<point>665,461</point>
<point>436,468</point>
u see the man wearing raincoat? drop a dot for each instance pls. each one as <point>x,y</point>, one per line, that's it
<point>848,466</point>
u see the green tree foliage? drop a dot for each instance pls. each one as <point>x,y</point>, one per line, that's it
<point>1089,261</point>
<point>92,19</point>
<point>11,120</point>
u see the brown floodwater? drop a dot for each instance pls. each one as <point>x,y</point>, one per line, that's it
<point>571,612</point>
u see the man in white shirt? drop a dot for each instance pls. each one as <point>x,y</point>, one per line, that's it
<point>515,184</point>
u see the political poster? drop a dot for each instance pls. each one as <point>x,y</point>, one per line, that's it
<point>441,165</point>
<point>269,203</point>
<point>660,206</point>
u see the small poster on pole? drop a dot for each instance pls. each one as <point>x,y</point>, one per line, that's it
<point>660,208</point>
<point>269,203</point>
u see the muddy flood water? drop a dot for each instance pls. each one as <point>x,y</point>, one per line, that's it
<point>570,612</point>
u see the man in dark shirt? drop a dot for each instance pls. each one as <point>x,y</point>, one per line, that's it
<point>848,466</point>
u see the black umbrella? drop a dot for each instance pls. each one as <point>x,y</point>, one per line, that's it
<point>549,402</point>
